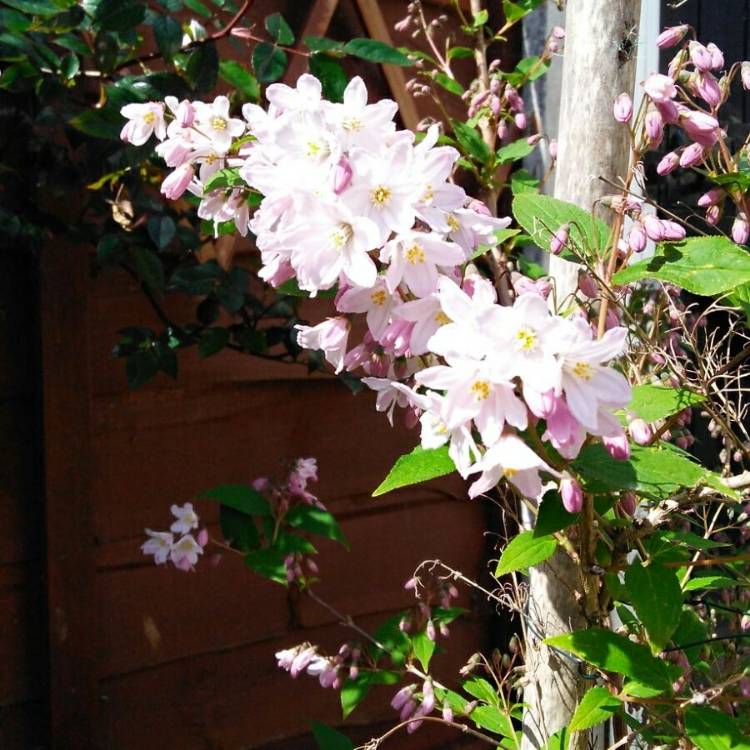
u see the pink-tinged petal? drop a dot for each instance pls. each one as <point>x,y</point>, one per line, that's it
<point>610,387</point>
<point>529,483</point>
<point>487,481</point>
<point>440,377</point>
<point>582,406</point>
<point>359,268</point>
<point>355,94</point>
<point>460,405</point>
<point>455,303</point>
<point>421,278</point>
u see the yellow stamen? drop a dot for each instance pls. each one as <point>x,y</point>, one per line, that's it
<point>480,389</point>
<point>583,370</point>
<point>442,319</point>
<point>313,148</point>
<point>380,195</point>
<point>415,255</point>
<point>509,473</point>
<point>429,194</point>
<point>149,118</point>
<point>352,124</point>
<point>378,298</point>
<point>218,123</point>
<point>526,339</point>
<point>341,235</point>
<point>453,223</point>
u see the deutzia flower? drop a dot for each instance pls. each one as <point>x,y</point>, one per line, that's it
<point>376,301</point>
<point>144,120</point>
<point>187,519</point>
<point>330,336</point>
<point>213,121</point>
<point>159,545</point>
<point>184,553</point>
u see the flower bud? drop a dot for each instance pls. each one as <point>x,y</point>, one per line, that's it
<point>520,120</point>
<point>553,149</point>
<point>692,155</point>
<point>637,238</point>
<point>740,229</point>
<point>572,495</point>
<point>701,127</point>
<point>672,231</point>
<point>559,239</point>
<point>202,537</point>
<point>640,431</point>
<point>668,163</point>
<point>654,125</point>
<point>672,36</point>
<point>587,286</point>
<point>717,56</point>
<point>745,75</point>
<point>700,56</point>
<point>708,89</point>
<point>623,108</point>
<point>342,175</point>
<point>176,183</point>
<point>713,214</point>
<point>617,447</point>
<point>660,88</point>
<point>628,503</point>
<point>653,227</point>
<point>710,197</point>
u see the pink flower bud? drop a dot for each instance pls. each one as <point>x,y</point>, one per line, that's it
<point>637,238</point>
<point>669,162</point>
<point>617,447</point>
<point>558,32</point>
<point>520,120</point>
<point>653,227</point>
<point>713,214</point>
<point>587,286</point>
<point>402,25</point>
<point>628,503</point>
<point>745,622</point>
<point>700,127</point>
<point>654,125</point>
<point>699,56</point>
<point>411,584</point>
<point>502,131</point>
<point>708,89</point>
<point>559,240</point>
<point>495,105</point>
<point>672,231</point>
<point>202,538</point>
<point>640,431</point>
<point>553,149</point>
<point>623,108</point>
<point>672,36</point>
<point>745,75</point>
<point>447,713</point>
<point>402,697</point>
<point>342,175</point>
<point>176,183</point>
<point>660,88</point>
<point>740,229</point>
<point>532,140</point>
<point>572,495</point>
<point>692,155</point>
<point>185,113</point>
<point>714,195</point>
<point>430,630</point>
<point>717,56</point>
<point>745,687</point>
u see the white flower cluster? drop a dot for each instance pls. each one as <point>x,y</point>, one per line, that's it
<point>349,200</point>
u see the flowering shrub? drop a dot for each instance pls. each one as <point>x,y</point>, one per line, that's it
<point>574,410</point>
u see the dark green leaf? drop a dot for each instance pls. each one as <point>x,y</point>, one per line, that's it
<point>596,706</point>
<point>100,123</point>
<point>552,516</point>
<point>471,141</point>
<point>329,739</point>
<point>149,268</point>
<point>212,340</point>
<point>269,62</point>
<point>330,74</point>
<point>449,84</point>
<point>394,641</point>
<point>615,653</point>
<point>710,582</point>
<point>34,7</point>
<point>525,551</point>
<point>355,691</point>
<point>316,521</point>
<point>515,11</point>
<point>691,630</point>
<point>238,528</point>
<point>200,8</point>
<point>140,367</point>
<point>168,35</point>
<point>375,51</point>
<point>701,265</point>
<point>456,53</point>
<point>279,29</point>
<point>418,466</point>
<point>109,250</point>
<point>711,729</point>
<point>161,230</point>
<point>321,44</point>
<point>656,596</point>
<point>268,563</point>
<point>240,78</point>
<point>240,497</point>
<point>69,66</point>
<point>202,67</point>
<point>522,181</point>
<point>118,15</point>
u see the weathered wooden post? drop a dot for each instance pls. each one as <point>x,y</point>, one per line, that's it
<point>599,63</point>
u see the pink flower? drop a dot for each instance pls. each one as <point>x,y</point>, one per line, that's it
<point>184,553</point>
<point>740,229</point>
<point>187,519</point>
<point>144,120</point>
<point>672,36</point>
<point>708,89</point>
<point>159,545</point>
<point>700,127</point>
<point>692,155</point>
<point>717,56</point>
<point>176,183</point>
<point>330,336</point>
<point>572,495</point>
<point>623,108</point>
<point>669,162</point>
<point>660,88</point>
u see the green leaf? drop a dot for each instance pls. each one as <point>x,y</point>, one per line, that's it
<point>525,551</point>
<point>103,123</point>
<point>656,596</point>
<point>375,51</point>
<point>224,178</point>
<point>168,35</point>
<point>198,7</point>
<point>501,235</point>
<point>449,84</point>
<point>654,471</point>
<point>615,653</point>
<point>559,740</point>
<point>241,497</point>
<point>161,229</point>
<point>482,690</point>
<point>480,18</point>
<point>316,521</point>
<point>394,641</point>
<point>596,706</point>
<point>457,53</point>
<point>238,528</point>
<point>692,629</point>
<point>269,62</point>
<point>652,402</point>
<point>291,288</point>
<point>702,265</point>
<point>711,729</point>
<point>514,151</point>
<point>118,15</point>
<point>471,141</point>
<point>140,367</point>
<point>240,78</point>
<point>493,719</point>
<point>522,181</point>
<point>423,649</point>
<point>268,563</point>
<point>331,75</point>
<point>203,67</point>
<point>279,29</point>
<point>528,69</point>
<point>552,516</point>
<point>515,11</point>
<point>321,44</point>
<point>541,216</point>
<point>212,341</point>
<point>149,268</point>
<point>710,582</point>
<point>34,7</point>
<point>355,691</point>
<point>69,66</point>
<point>418,466</point>
<point>329,739</point>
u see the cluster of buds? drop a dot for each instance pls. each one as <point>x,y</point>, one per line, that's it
<point>178,545</point>
<point>331,671</point>
<point>431,592</point>
<point>294,486</point>
<point>413,704</point>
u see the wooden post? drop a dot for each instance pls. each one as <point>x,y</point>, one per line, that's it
<point>599,64</point>
<point>71,565</point>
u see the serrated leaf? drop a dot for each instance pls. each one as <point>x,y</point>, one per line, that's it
<point>615,653</point>
<point>655,594</point>
<point>482,690</point>
<point>493,719</point>
<point>552,516</point>
<point>515,11</point>
<point>279,29</point>
<point>514,151</point>
<point>268,563</point>
<point>710,582</point>
<point>240,78</point>
<point>652,402</point>
<point>329,739</point>
<point>524,551</point>
<point>522,181</point>
<point>269,62</point>
<point>596,706</point>
<point>241,497</point>
<point>541,216</point>
<point>224,178</point>
<point>471,141</point>
<point>711,729</point>
<point>702,265</point>
<point>418,466</point>
<point>375,51</point>
<point>423,648</point>
<point>316,521</point>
